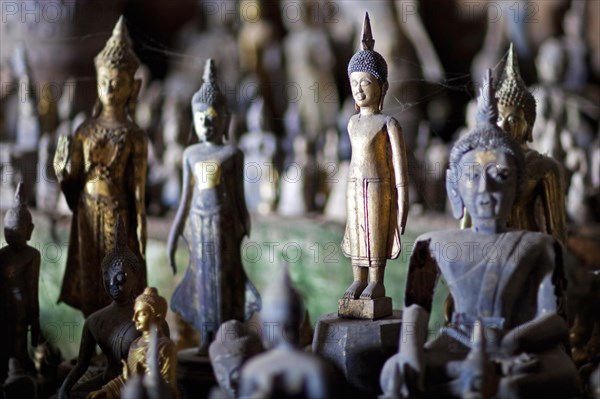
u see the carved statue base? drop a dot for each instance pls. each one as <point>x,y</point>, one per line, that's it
<point>195,375</point>
<point>370,309</point>
<point>359,348</point>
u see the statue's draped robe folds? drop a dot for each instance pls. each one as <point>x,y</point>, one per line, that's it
<point>371,235</point>
<point>215,287</point>
<point>137,360</point>
<point>541,203</point>
<point>506,280</point>
<point>105,164</point>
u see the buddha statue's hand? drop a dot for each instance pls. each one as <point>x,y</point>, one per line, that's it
<point>142,233</point>
<point>524,363</point>
<point>172,247</point>
<point>62,156</point>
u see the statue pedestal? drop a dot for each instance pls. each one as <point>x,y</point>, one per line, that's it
<point>370,309</point>
<point>359,348</point>
<point>195,375</point>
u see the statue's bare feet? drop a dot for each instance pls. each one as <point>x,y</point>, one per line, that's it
<point>373,290</point>
<point>355,289</point>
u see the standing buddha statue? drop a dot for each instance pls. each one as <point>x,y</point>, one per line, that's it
<point>102,172</point>
<point>377,192</point>
<point>213,218</point>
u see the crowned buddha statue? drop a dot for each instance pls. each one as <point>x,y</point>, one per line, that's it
<point>19,280</point>
<point>377,191</point>
<point>102,172</point>
<point>541,203</point>
<point>506,338</point>
<point>213,218</point>
<point>146,357</point>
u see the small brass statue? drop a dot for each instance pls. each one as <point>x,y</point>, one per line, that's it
<point>213,219</point>
<point>286,371</point>
<point>102,172</point>
<point>19,279</point>
<point>111,328</point>
<point>541,203</point>
<point>377,192</point>
<point>149,312</point>
<point>503,282</point>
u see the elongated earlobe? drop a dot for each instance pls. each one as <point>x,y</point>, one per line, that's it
<point>384,89</point>
<point>455,200</point>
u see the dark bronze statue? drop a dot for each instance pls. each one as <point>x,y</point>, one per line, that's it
<point>151,355</point>
<point>377,193</point>
<point>102,172</point>
<point>111,328</point>
<point>286,371</point>
<point>502,280</point>
<point>19,279</point>
<point>213,219</point>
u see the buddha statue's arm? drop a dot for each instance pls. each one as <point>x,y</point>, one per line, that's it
<point>182,212</point>
<point>87,349</point>
<point>140,167</point>
<point>112,389</point>
<point>400,170</point>
<point>239,196</point>
<point>168,362</point>
<point>422,276</point>
<point>68,166</point>
<point>33,313</point>
<point>554,203</point>
<point>548,328</point>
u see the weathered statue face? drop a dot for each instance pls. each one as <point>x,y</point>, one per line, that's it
<point>143,317</point>
<point>119,283</point>
<point>114,87</point>
<point>208,124</point>
<point>487,184</point>
<point>511,119</point>
<point>17,232</point>
<point>366,89</point>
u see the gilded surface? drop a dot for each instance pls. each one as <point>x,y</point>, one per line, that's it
<point>102,172</point>
<point>541,202</point>
<point>106,179</point>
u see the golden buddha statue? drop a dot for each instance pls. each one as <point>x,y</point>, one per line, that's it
<point>102,172</point>
<point>377,192</point>
<point>147,356</point>
<point>541,203</point>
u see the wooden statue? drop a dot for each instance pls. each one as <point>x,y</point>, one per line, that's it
<point>541,204</point>
<point>505,339</point>
<point>102,172</point>
<point>286,371</point>
<point>377,192</point>
<point>111,328</point>
<point>150,311</point>
<point>213,219</point>
<point>19,280</point>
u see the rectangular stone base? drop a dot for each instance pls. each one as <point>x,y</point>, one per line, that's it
<point>370,309</point>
